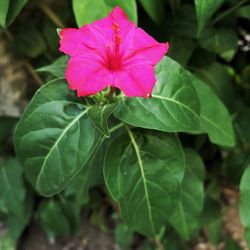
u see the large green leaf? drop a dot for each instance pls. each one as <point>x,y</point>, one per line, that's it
<point>143,174</point>
<point>88,11</point>
<point>174,105</point>
<point>12,192</point>
<point>155,9</point>
<point>204,11</point>
<point>4,7</point>
<point>54,138</point>
<point>215,119</point>
<point>185,217</point>
<point>245,203</point>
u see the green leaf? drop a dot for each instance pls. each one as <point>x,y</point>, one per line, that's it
<point>155,9</point>
<point>204,11</point>
<point>53,220</point>
<point>185,217</point>
<point>183,22</point>
<point>123,236</point>
<point>140,170</point>
<point>89,176</point>
<point>220,41</point>
<point>174,105</point>
<point>57,68</point>
<point>99,116</point>
<point>244,12</point>
<point>14,8</point>
<point>245,203</point>
<point>54,138</point>
<point>4,7</point>
<point>12,192</point>
<point>215,119</point>
<point>88,11</point>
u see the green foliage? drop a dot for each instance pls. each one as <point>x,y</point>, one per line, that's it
<point>174,105</point>
<point>9,9</point>
<point>185,218</point>
<point>154,166</point>
<point>245,203</point>
<point>57,68</point>
<point>85,13</point>
<point>54,121</point>
<point>204,11</point>
<point>139,169</point>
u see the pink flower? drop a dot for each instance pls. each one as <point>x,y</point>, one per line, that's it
<point>111,52</point>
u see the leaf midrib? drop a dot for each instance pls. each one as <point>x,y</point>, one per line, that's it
<point>56,143</point>
<point>137,152</point>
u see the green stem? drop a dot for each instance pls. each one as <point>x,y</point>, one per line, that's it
<point>118,126</point>
<point>229,11</point>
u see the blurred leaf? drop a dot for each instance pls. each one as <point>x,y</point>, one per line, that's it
<point>231,244</point>
<point>245,203</point>
<point>88,11</point>
<point>183,22</point>
<point>244,12</point>
<point>220,41</point>
<point>14,8</point>
<point>57,68</point>
<point>204,11</point>
<point>173,107</point>
<point>217,77</point>
<point>138,171</point>
<point>4,7</point>
<point>12,191</point>
<point>214,230</point>
<point>181,53</point>
<point>155,9</point>
<point>99,116</point>
<point>54,138</point>
<point>242,125</point>
<point>185,217</point>
<point>235,165</point>
<point>123,236</point>
<point>29,41</point>
<point>53,220</point>
<point>215,119</point>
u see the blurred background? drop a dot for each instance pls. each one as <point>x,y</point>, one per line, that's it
<point>216,49</point>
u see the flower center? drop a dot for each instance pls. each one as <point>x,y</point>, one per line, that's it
<point>114,56</point>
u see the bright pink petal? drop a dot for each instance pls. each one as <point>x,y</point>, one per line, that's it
<point>105,26</point>
<point>136,80</point>
<point>144,48</point>
<point>84,41</point>
<point>85,77</point>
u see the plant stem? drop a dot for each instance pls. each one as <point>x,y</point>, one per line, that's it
<point>111,92</point>
<point>52,15</point>
<point>229,11</point>
<point>119,125</point>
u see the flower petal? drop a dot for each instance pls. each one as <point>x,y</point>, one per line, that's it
<point>105,26</point>
<point>136,80</point>
<point>144,48</point>
<point>85,77</point>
